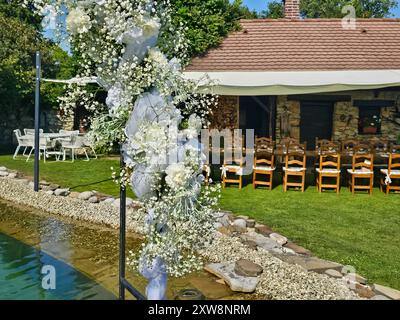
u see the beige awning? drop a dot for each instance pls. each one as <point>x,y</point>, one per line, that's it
<point>286,83</point>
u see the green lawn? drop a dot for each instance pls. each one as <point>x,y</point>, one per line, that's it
<point>79,176</point>
<point>361,230</point>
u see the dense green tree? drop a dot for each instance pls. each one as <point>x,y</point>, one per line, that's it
<point>333,8</point>
<point>209,21</point>
<point>274,10</point>
<point>13,10</point>
<point>20,41</point>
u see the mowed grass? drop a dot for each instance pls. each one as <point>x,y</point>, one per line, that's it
<point>358,230</point>
<point>79,176</point>
<point>361,230</point>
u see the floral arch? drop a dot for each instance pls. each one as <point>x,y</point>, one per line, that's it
<point>136,53</point>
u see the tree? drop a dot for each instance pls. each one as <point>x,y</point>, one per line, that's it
<point>20,13</point>
<point>274,10</point>
<point>333,8</point>
<point>17,69</point>
<point>209,21</point>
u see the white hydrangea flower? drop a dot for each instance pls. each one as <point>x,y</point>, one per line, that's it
<point>177,175</point>
<point>78,21</point>
<point>117,97</point>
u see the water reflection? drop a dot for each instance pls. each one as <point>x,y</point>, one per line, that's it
<point>21,276</point>
<point>91,249</point>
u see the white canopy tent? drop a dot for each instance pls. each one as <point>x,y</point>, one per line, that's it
<point>246,83</point>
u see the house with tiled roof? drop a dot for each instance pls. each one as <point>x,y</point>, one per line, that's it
<point>307,78</point>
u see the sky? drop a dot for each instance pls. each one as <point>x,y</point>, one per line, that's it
<point>260,5</point>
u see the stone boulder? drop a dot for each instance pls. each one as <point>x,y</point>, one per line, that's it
<point>387,292</point>
<point>86,195</point>
<point>278,238</point>
<point>312,263</point>
<point>263,242</point>
<point>333,273</point>
<point>93,199</point>
<point>297,249</point>
<point>251,223</point>
<point>74,195</point>
<point>237,283</point>
<point>3,169</point>
<point>239,225</point>
<point>246,268</point>
<point>61,192</point>
<point>3,174</point>
<point>263,229</point>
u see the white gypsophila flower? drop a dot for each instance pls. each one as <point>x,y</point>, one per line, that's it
<point>78,21</point>
<point>117,97</point>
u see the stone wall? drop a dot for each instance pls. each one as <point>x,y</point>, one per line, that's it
<point>345,116</point>
<point>50,122</point>
<point>225,115</point>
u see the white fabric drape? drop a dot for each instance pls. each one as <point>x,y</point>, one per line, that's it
<point>303,82</point>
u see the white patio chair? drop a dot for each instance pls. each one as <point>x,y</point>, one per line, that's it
<point>23,142</point>
<point>73,143</point>
<point>88,144</point>
<point>45,145</point>
<point>32,131</point>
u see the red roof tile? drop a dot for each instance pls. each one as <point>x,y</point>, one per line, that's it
<point>310,44</point>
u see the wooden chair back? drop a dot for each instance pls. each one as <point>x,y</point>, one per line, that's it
<point>329,161</point>
<point>296,155</point>
<point>363,161</point>
<point>394,162</point>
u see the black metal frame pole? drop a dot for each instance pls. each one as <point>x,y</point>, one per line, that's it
<point>122,233</point>
<point>37,122</point>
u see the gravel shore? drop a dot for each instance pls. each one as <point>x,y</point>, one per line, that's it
<point>280,280</point>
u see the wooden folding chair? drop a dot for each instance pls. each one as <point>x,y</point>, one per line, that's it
<point>264,162</point>
<point>390,174</point>
<point>329,167</point>
<point>362,168</point>
<point>295,166</point>
<point>229,170</point>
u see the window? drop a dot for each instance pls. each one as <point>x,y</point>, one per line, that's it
<point>369,120</point>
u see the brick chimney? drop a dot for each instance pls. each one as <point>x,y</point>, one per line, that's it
<point>292,9</point>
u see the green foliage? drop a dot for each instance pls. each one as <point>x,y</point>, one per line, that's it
<point>209,21</point>
<point>20,41</point>
<point>274,10</point>
<point>20,13</point>
<point>333,8</point>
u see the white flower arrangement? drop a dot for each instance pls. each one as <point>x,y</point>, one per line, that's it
<point>136,53</point>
